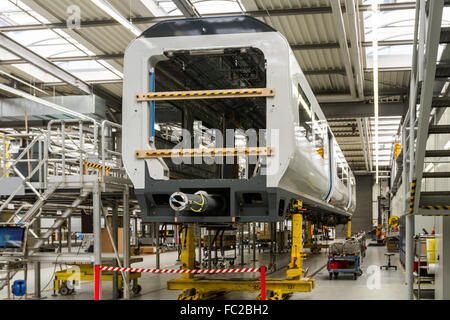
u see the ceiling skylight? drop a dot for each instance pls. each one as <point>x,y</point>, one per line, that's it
<point>48,44</point>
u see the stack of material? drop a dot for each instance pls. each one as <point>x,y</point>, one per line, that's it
<point>352,247</point>
<point>337,249</point>
<point>346,248</point>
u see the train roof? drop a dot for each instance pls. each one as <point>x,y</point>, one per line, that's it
<point>206,26</point>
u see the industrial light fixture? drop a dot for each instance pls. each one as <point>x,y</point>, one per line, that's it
<point>46,103</point>
<point>113,13</point>
<point>375,80</point>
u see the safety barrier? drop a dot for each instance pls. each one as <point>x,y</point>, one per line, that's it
<point>98,269</point>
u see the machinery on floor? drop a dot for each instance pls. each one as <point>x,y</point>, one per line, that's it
<point>346,257</point>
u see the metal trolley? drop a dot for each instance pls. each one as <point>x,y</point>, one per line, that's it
<point>344,264</point>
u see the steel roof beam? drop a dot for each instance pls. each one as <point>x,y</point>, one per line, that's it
<point>342,39</point>
<point>70,58</point>
<point>256,13</point>
<point>187,8</point>
<point>355,51</point>
<point>362,109</point>
<point>43,64</point>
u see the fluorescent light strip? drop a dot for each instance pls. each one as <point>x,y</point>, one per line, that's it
<point>105,6</point>
<point>375,79</point>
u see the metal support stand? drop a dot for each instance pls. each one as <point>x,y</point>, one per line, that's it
<point>210,240</point>
<point>248,237</point>
<point>97,228</point>
<point>254,242</point>
<point>69,232</point>
<point>188,251</point>
<point>308,233</point>
<point>295,270</point>
<point>349,228</point>
<point>241,244</point>
<point>59,240</point>
<point>195,288</point>
<point>115,234</point>
<point>409,248</point>
<point>126,243</point>
<point>37,265</point>
<point>157,246</point>
<point>199,244</point>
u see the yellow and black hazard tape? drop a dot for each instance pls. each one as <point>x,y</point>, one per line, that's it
<point>436,207</point>
<point>413,193</point>
<point>204,94</point>
<point>198,94</point>
<point>96,166</point>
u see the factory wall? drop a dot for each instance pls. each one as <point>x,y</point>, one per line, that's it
<point>362,218</point>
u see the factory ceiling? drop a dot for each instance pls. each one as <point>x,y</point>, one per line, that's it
<point>82,43</point>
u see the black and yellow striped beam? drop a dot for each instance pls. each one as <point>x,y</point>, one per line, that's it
<point>211,152</point>
<point>413,194</point>
<point>435,207</point>
<point>95,165</point>
<point>205,94</point>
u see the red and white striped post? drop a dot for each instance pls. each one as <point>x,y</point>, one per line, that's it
<point>98,269</point>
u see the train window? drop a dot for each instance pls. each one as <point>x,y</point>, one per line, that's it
<point>305,114</point>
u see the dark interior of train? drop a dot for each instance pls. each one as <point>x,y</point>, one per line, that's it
<point>237,68</point>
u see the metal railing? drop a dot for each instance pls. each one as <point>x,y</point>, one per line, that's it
<point>62,150</point>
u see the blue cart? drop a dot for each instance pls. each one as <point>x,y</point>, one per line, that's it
<point>344,264</point>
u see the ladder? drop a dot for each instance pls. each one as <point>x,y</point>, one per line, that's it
<point>428,79</point>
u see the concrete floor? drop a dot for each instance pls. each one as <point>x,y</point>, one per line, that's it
<point>391,283</point>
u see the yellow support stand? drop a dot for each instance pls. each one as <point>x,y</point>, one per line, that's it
<point>314,247</point>
<point>349,228</point>
<point>309,232</point>
<point>295,270</point>
<point>187,255</point>
<point>198,287</point>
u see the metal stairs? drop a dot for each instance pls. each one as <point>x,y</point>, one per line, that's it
<point>428,83</point>
<point>34,212</point>
<point>59,221</point>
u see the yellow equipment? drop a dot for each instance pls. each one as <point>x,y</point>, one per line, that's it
<point>196,287</point>
<point>397,148</point>
<point>314,247</point>
<point>349,228</point>
<point>393,222</point>
<point>85,272</point>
